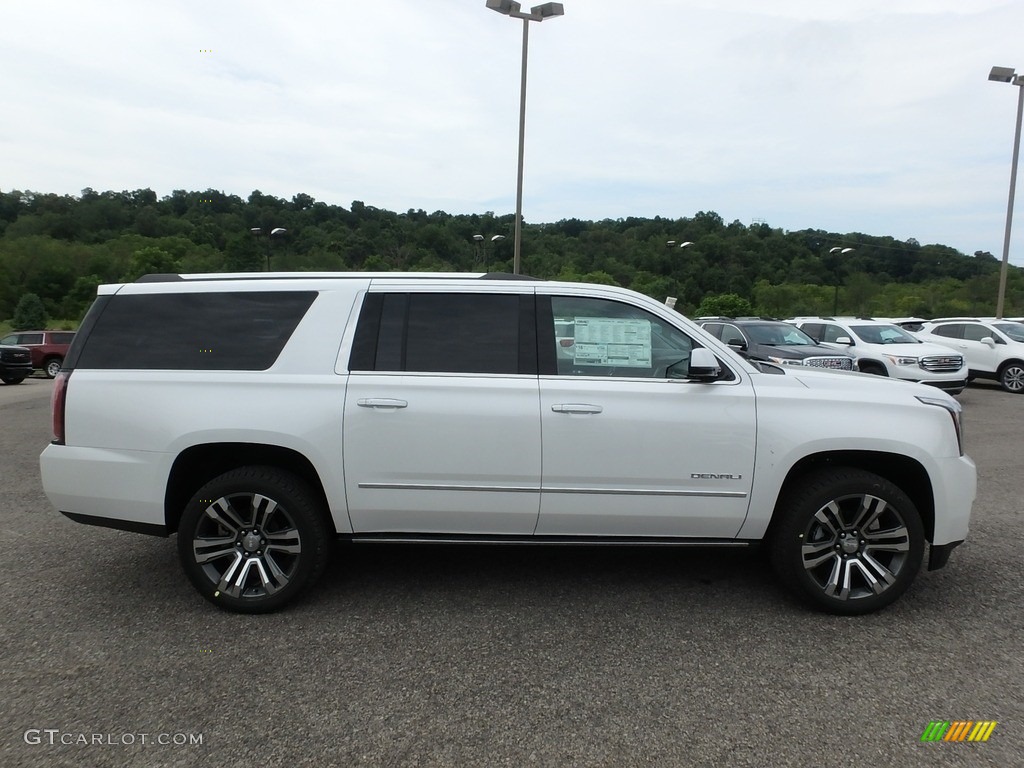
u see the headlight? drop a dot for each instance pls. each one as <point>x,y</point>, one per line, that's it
<point>897,360</point>
<point>785,360</point>
<point>954,409</point>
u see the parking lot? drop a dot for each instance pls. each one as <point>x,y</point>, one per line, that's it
<point>500,656</point>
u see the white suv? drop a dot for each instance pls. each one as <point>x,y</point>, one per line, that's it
<point>261,417</point>
<point>886,349</point>
<point>994,349</point>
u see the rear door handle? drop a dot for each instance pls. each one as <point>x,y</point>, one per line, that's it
<point>576,408</point>
<point>381,402</point>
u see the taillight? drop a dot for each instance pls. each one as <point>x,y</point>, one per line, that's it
<point>57,400</point>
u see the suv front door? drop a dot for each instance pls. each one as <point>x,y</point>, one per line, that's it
<point>631,446</point>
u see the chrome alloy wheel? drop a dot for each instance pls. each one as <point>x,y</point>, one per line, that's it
<point>855,546</point>
<point>247,544</point>
<point>1012,378</point>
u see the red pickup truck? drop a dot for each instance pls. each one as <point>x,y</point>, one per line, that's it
<point>48,348</point>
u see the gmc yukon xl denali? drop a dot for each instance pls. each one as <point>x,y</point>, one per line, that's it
<point>259,418</point>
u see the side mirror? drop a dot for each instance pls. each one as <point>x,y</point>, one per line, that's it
<point>738,344</point>
<point>988,341</point>
<point>703,365</point>
<point>844,340</point>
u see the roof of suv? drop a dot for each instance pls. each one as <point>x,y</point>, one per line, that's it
<point>174,278</point>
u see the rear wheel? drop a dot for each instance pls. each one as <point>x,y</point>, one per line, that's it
<point>52,367</point>
<point>253,539</point>
<point>847,541</point>
<point>1011,377</point>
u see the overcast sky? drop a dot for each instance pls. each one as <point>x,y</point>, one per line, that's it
<point>871,116</point>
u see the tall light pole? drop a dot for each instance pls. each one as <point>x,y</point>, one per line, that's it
<point>537,13</point>
<point>1007,75</point>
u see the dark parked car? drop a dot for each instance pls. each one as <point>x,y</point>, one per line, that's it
<point>48,348</point>
<point>776,342</point>
<point>15,364</point>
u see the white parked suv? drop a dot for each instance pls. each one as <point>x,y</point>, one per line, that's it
<point>260,417</point>
<point>886,349</point>
<point>993,349</point>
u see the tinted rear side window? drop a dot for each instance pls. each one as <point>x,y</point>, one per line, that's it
<point>447,333</point>
<point>194,331</point>
<point>62,338</point>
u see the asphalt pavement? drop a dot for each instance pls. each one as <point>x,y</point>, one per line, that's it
<point>486,656</point>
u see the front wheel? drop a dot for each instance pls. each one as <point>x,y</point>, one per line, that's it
<point>252,539</point>
<point>12,379</point>
<point>847,541</point>
<point>1011,377</point>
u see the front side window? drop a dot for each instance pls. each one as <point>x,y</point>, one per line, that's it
<point>977,332</point>
<point>600,337</point>
<point>733,335</point>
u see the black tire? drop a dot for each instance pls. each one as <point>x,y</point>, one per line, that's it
<point>12,379</point>
<point>847,541</point>
<point>252,539</point>
<point>1011,377</point>
<point>51,367</point>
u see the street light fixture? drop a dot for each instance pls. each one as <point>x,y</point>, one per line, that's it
<point>1008,75</point>
<point>275,232</point>
<point>835,296</point>
<point>478,239</point>
<point>512,9</point>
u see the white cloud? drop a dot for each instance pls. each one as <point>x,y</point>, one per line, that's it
<point>853,115</point>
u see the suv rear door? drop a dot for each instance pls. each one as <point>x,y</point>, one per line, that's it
<point>442,424</point>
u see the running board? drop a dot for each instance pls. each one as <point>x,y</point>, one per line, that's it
<point>558,541</point>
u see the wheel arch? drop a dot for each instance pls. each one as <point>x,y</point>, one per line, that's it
<point>877,367</point>
<point>1006,364</point>
<point>903,471</point>
<point>198,464</point>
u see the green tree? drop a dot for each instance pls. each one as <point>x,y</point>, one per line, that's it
<point>724,304</point>
<point>30,313</point>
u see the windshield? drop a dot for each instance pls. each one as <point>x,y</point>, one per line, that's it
<point>1014,330</point>
<point>883,334</point>
<point>778,335</point>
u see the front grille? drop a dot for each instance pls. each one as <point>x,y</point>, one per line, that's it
<point>942,363</point>
<point>835,363</point>
<point>14,356</point>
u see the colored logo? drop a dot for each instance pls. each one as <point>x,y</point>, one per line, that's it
<point>958,730</point>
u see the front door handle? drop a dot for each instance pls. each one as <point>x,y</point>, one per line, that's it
<point>381,402</point>
<point>576,408</point>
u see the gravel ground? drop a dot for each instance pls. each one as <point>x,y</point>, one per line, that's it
<point>470,656</point>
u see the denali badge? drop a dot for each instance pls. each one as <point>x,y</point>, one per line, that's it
<point>715,476</point>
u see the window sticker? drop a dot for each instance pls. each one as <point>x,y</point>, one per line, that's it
<point>612,341</point>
